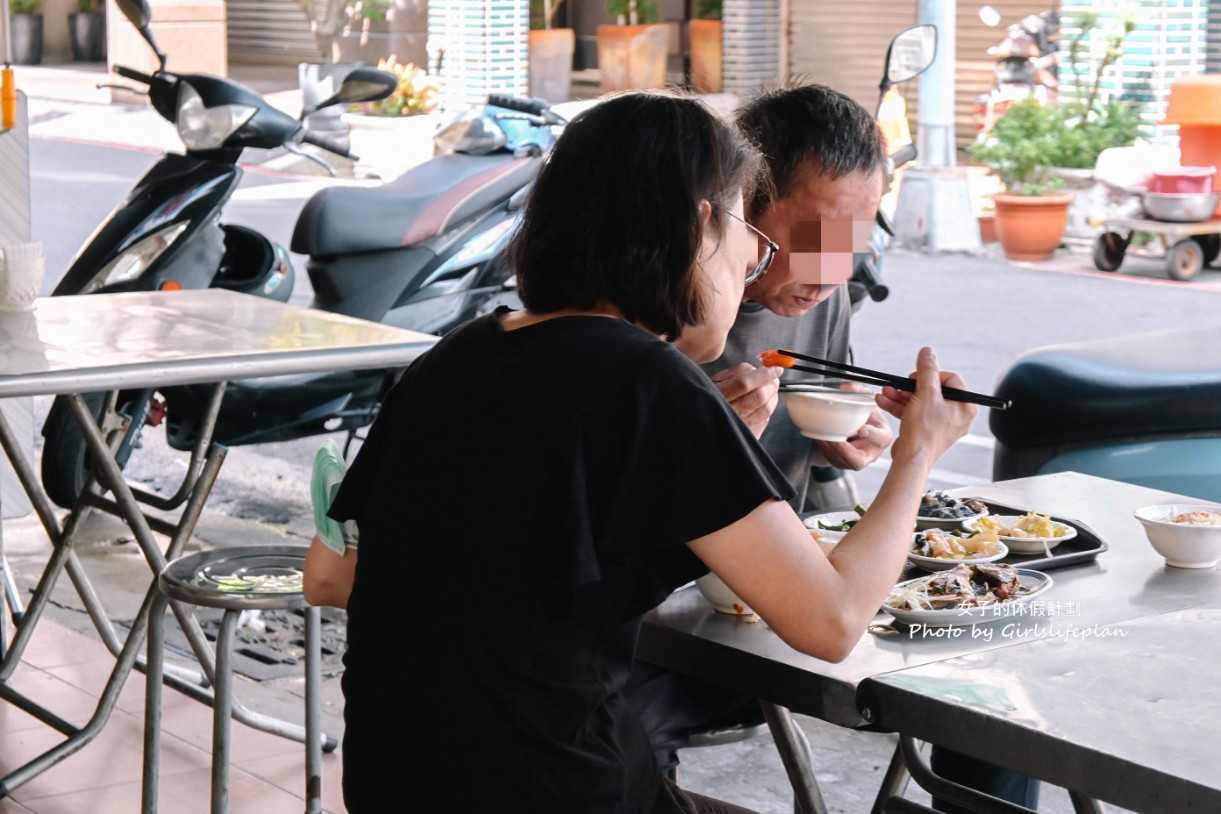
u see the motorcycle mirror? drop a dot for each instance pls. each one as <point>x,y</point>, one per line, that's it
<point>140,15</point>
<point>360,85</point>
<point>989,16</point>
<point>909,55</point>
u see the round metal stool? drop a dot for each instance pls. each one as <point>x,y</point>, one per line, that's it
<point>235,580</point>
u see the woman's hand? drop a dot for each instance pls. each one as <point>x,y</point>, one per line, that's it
<point>929,424</point>
<point>752,392</point>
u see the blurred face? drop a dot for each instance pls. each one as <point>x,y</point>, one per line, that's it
<point>818,225</point>
<point>724,263</point>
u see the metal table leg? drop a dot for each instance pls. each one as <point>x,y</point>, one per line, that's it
<point>205,465</point>
<point>795,755</point>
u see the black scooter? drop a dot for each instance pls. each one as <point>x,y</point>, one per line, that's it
<point>416,252</point>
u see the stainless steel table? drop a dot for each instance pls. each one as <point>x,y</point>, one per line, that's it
<point>68,346</point>
<point>1127,582</point>
<point>1128,715</point>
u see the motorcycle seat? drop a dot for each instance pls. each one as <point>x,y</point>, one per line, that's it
<point>1159,383</point>
<point>421,203</point>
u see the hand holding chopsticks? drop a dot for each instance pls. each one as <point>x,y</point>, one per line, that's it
<point>785,358</point>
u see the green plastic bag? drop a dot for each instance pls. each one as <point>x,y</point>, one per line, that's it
<point>329,469</point>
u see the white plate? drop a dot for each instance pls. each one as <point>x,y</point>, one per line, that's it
<point>831,518</point>
<point>949,523</point>
<point>1037,582</point>
<point>942,563</point>
<point>1028,545</point>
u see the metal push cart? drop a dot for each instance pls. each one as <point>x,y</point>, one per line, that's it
<point>1187,247</point>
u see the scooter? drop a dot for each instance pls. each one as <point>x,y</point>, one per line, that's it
<point>1025,63</point>
<point>414,253</point>
<point>1141,409</point>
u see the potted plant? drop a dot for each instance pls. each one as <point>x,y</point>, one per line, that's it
<point>393,134</point>
<point>1094,124</point>
<point>704,35</point>
<point>87,31</point>
<point>551,50</point>
<point>26,25</point>
<point>632,52</point>
<point>1021,148</point>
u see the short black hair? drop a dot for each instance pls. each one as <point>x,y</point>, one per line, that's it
<point>614,214</point>
<point>808,123</point>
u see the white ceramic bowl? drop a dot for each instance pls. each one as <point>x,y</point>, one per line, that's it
<point>725,600</point>
<point>1183,545</point>
<point>814,521</point>
<point>1026,545</point>
<point>827,414</point>
<point>827,540</point>
<point>942,563</point>
<point>719,594</point>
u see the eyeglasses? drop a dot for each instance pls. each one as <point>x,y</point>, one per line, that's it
<point>768,253</point>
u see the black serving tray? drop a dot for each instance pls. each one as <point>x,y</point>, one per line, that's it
<point>1085,547</point>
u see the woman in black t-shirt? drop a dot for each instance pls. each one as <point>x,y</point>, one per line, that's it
<point>542,478</point>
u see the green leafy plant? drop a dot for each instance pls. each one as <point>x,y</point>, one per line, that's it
<point>708,9</point>
<point>542,13</point>
<point>89,6</point>
<point>1022,147</point>
<point>416,93</point>
<point>1031,139</point>
<point>24,6</point>
<point>633,11</point>
<point>372,10</point>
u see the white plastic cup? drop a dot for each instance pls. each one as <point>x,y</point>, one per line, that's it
<point>21,276</point>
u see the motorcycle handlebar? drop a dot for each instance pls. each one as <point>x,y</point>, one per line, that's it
<point>132,74</point>
<point>535,107</point>
<point>866,272</point>
<point>328,145</point>
<point>903,155</point>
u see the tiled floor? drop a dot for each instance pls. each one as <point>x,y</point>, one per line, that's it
<point>65,671</point>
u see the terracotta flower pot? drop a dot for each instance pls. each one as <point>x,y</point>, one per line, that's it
<point>632,56</point>
<point>705,36</point>
<point>1030,227</point>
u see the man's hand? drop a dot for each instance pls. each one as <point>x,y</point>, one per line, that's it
<point>861,449</point>
<point>752,392</point>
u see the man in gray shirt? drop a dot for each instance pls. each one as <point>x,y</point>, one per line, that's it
<point>828,167</point>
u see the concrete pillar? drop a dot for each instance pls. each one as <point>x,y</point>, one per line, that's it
<point>934,210</point>
<point>191,33</point>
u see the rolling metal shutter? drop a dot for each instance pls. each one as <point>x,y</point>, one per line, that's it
<point>270,32</point>
<point>844,45</point>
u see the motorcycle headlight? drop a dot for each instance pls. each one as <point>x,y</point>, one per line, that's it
<point>137,257</point>
<point>206,128</point>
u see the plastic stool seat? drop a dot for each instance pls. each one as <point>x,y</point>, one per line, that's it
<point>234,580</point>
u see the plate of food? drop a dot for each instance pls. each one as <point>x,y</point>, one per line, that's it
<point>965,595</point>
<point>834,521</point>
<point>937,549</point>
<point>941,511</point>
<point>1030,533</point>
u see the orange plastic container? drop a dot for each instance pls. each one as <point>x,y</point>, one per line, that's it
<point>1195,106</point>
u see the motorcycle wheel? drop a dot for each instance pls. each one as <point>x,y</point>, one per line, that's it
<point>65,458</point>
<point>66,461</point>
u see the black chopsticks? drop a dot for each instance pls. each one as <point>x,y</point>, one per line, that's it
<point>876,377</point>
